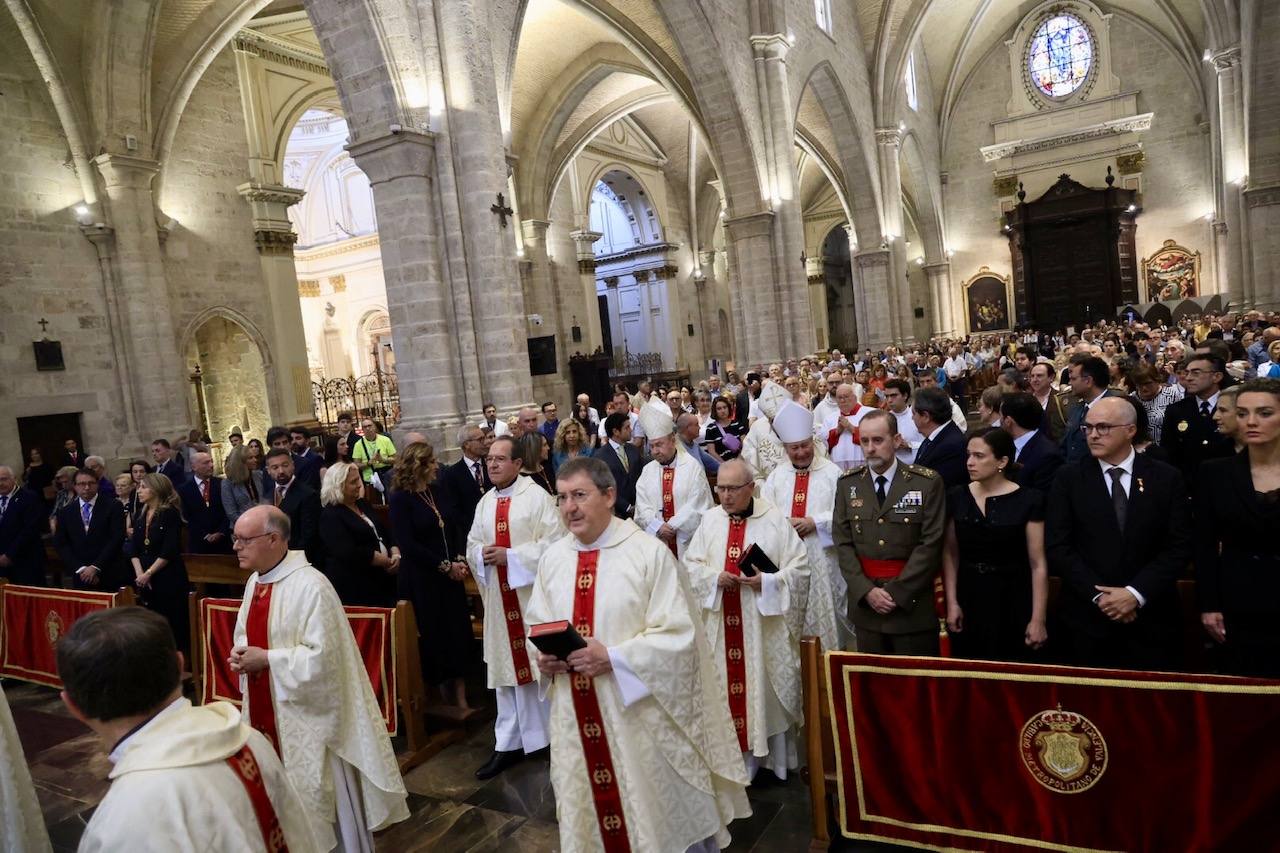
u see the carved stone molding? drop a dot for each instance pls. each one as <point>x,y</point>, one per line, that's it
<point>1263,196</point>
<point>872,258</point>
<point>587,266</point>
<point>270,193</point>
<point>888,136</point>
<point>752,225</point>
<point>275,242</point>
<point>279,51</point>
<point>1116,127</point>
<point>1131,164</point>
<point>1225,59</point>
<point>308,287</point>
<point>1005,186</point>
<point>338,283</point>
<point>667,271</point>
<point>817,279</point>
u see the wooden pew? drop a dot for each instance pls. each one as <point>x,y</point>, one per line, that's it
<point>820,754</point>
<point>205,569</point>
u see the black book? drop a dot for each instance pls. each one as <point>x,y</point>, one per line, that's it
<point>556,638</point>
<point>756,560</point>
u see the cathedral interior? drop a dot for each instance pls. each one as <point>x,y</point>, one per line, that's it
<point>234,213</point>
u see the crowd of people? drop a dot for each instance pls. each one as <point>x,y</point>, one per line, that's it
<point>870,500</point>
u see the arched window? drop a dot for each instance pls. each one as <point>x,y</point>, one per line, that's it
<point>1060,55</point>
<point>822,10</point>
<point>913,95</point>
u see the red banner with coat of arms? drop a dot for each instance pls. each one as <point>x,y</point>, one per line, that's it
<point>34,618</point>
<point>950,754</point>
<point>372,627</point>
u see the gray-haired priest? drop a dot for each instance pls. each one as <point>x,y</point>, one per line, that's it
<point>753,617</point>
<point>643,755</point>
<point>672,493</point>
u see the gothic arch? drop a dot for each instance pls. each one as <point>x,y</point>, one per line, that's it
<point>233,316</point>
<point>925,187</point>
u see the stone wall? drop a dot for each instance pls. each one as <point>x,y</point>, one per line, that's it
<point>47,269</point>
<point>234,390</point>
<point>1177,187</point>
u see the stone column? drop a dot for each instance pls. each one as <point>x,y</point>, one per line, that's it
<point>1264,227</point>
<point>859,289</point>
<point>815,269</point>
<point>474,173</point>
<point>145,311</point>
<point>127,436</point>
<point>1226,63</point>
<point>541,299</point>
<point>791,297</point>
<point>939,276</point>
<point>274,236</point>
<point>757,309</point>
<point>888,143</point>
<point>589,319</point>
<point>434,336</point>
<point>874,269</point>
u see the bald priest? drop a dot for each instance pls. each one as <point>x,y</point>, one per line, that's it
<point>643,755</point>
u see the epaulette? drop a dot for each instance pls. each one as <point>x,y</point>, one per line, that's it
<point>927,473</point>
<point>853,472</point>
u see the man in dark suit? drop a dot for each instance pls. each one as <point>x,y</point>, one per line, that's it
<point>162,453</point>
<point>207,529</point>
<point>1189,434</point>
<point>1038,456</point>
<point>1117,532</point>
<point>89,537</point>
<point>72,454</point>
<point>943,448</point>
<point>623,459</point>
<point>22,515</point>
<point>742,405</point>
<point>306,462</point>
<point>1088,376</point>
<point>463,483</point>
<point>299,501</point>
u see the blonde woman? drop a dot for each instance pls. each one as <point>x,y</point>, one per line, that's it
<point>243,487</point>
<point>571,441</point>
<point>362,559</point>
<point>156,549</point>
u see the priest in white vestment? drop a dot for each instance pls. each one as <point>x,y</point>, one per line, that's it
<point>643,754</point>
<point>183,777</point>
<point>21,823</point>
<point>761,449</point>
<point>673,492</point>
<point>804,488</point>
<point>306,688</point>
<point>754,623</point>
<point>514,523</point>
<point>841,429</point>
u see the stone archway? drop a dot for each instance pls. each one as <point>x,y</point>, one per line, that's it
<point>232,378</point>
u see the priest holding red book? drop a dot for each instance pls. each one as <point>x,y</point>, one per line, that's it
<point>643,755</point>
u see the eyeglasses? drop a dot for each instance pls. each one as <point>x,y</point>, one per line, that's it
<point>578,496</point>
<point>242,541</point>
<point>1100,429</point>
<point>728,490</point>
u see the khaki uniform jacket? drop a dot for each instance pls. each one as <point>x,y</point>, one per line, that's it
<point>910,526</point>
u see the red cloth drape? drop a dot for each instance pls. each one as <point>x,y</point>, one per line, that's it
<point>34,618</point>
<point>1009,757</point>
<point>373,628</point>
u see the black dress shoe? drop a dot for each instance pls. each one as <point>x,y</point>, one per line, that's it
<point>498,762</point>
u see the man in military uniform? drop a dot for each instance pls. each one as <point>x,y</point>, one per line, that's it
<point>888,527</point>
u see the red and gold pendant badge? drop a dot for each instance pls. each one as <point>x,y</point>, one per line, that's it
<point>1063,751</point>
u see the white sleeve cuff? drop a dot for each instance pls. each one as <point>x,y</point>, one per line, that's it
<point>517,575</point>
<point>629,684</point>
<point>824,532</point>
<point>652,527</point>
<point>713,600</point>
<point>774,597</point>
<point>478,568</point>
<point>1142,602</point>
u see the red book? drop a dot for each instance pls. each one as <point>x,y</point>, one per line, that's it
<point>556,638</point>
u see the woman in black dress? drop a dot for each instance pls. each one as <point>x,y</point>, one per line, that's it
<point>723,435</point>
<point>537,461</point>
<point>432,572</point>
<point>994,567</point>
<point>1237,511</point>
<point>362,559</point>
<point>156,553</point>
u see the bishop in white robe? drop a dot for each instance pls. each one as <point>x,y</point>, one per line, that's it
<point>672,492</point>
<point>841,429</point>
<point>761,449</point>
<point>306,688</point>
<point>754,623</point>
<point>643,754</point>
<point>804,488</point>
<point>515,522</point>
<point>21,823</point>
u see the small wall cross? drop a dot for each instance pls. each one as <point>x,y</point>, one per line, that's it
<point>502,210</point>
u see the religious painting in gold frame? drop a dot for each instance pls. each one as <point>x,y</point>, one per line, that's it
<point>1172,273</point>
<point>987,302</point>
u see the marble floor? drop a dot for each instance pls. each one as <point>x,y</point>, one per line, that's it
<point>451,811</point>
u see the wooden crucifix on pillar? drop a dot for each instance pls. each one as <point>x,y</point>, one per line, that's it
<point>502,210</point>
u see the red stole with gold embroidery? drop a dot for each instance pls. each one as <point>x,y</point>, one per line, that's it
<point>734,649</point>
<point>510,601</point>
<point>245,766</point>
<point>669,501</point>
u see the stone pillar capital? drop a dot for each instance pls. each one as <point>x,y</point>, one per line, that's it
<point>770,45</point>
<point>937,269</point>
<point>585,240</point>
<point>534,230</point>
<point>399,153</point>
<point>255,192</point>
<point>103,238</point>
<point>1225,59</point>
<point>752,225</point>
<point>272,242</point>
<point>123,170</point>
<point>872,258</point>
<point>891,136</point>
